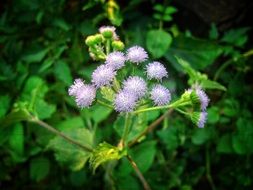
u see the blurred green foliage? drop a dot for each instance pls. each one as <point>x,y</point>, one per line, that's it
<point>42,50</point>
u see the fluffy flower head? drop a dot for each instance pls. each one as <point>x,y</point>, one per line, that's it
<point>116,60</point>
<point>156,70</point>
<point>85,95</point>
<point>73,89</point>
<point>202,119</point>
<point>135,85</point>
<point>136,54</point>
<point>103,75</point>
<point>160,95</point>
<point>125,101</point>
<point>204,100</point>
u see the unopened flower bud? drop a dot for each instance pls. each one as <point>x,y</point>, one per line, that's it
<point>118,45</point>
<point>90,41</point>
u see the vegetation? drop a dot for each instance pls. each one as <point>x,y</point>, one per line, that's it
<point>48,142</point>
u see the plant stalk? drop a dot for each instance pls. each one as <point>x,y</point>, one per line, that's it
<point>139,174</point>
<point>56,132</point>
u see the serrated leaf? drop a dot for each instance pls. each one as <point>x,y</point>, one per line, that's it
<point>158,42</point>
<point>105,152</point>
<point>39,168</point>
<point>71,155</point>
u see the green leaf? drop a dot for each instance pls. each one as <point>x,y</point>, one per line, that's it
<point>167,18</point>
<point>105,152</point>
<point>201,136</point>
<point>209,84</point>
<point>225,144</point>
<point>39,168</point>
<point>169,137</point>
<point>100,113</point>
<point>199,78</point>
<point>70,123</point>
<point>16,139</point>
<point>170,10</point>
<point>159,8</point>
<point>15,116</point>
<point>158,42</point>
<point>199,53</point>
<point>71,155</point>
<point>5,104</point>
<point>43,109</point>
<point>46,64</point>
<point>213,115</point>
<point>62,72</point>
<point>144,155</point>
<point>213,33</point>
<point>237,37</point>
<point>35,56</point>
<point>62,24</point>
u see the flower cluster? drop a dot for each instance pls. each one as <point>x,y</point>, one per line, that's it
<point>129,91</point>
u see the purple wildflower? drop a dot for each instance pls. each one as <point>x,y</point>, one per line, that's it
<point>116,60</point>
<point>85,95</point>
<point>103,75</point>
<point>204,100</point>
<point>135,85</point>
<point>160,95</point>
<point>136,54</point>
<point>125,101</point>
<point>202,119</point>
<point>156,70</point>
<point>78,83</point>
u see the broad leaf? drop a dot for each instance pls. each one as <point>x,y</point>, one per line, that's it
<point>158,42</point>
<point>69,154</point>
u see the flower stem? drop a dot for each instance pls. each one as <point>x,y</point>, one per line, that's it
<point>126,128</point>
<point>104,104</point>
<point>175,104</point>
<point>139,174</point>
<point>150,128</point>
<point>56,132</point>
<point>107,48</point>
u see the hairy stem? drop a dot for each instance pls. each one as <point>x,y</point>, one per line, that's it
<point>56,132</point>
<point>175,104</point>
<point>150,128</point>
<point>126,129</point>
<point>104,104</point>
<point>139,174</point>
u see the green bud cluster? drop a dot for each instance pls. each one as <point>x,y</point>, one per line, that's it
<point>103,42</point>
